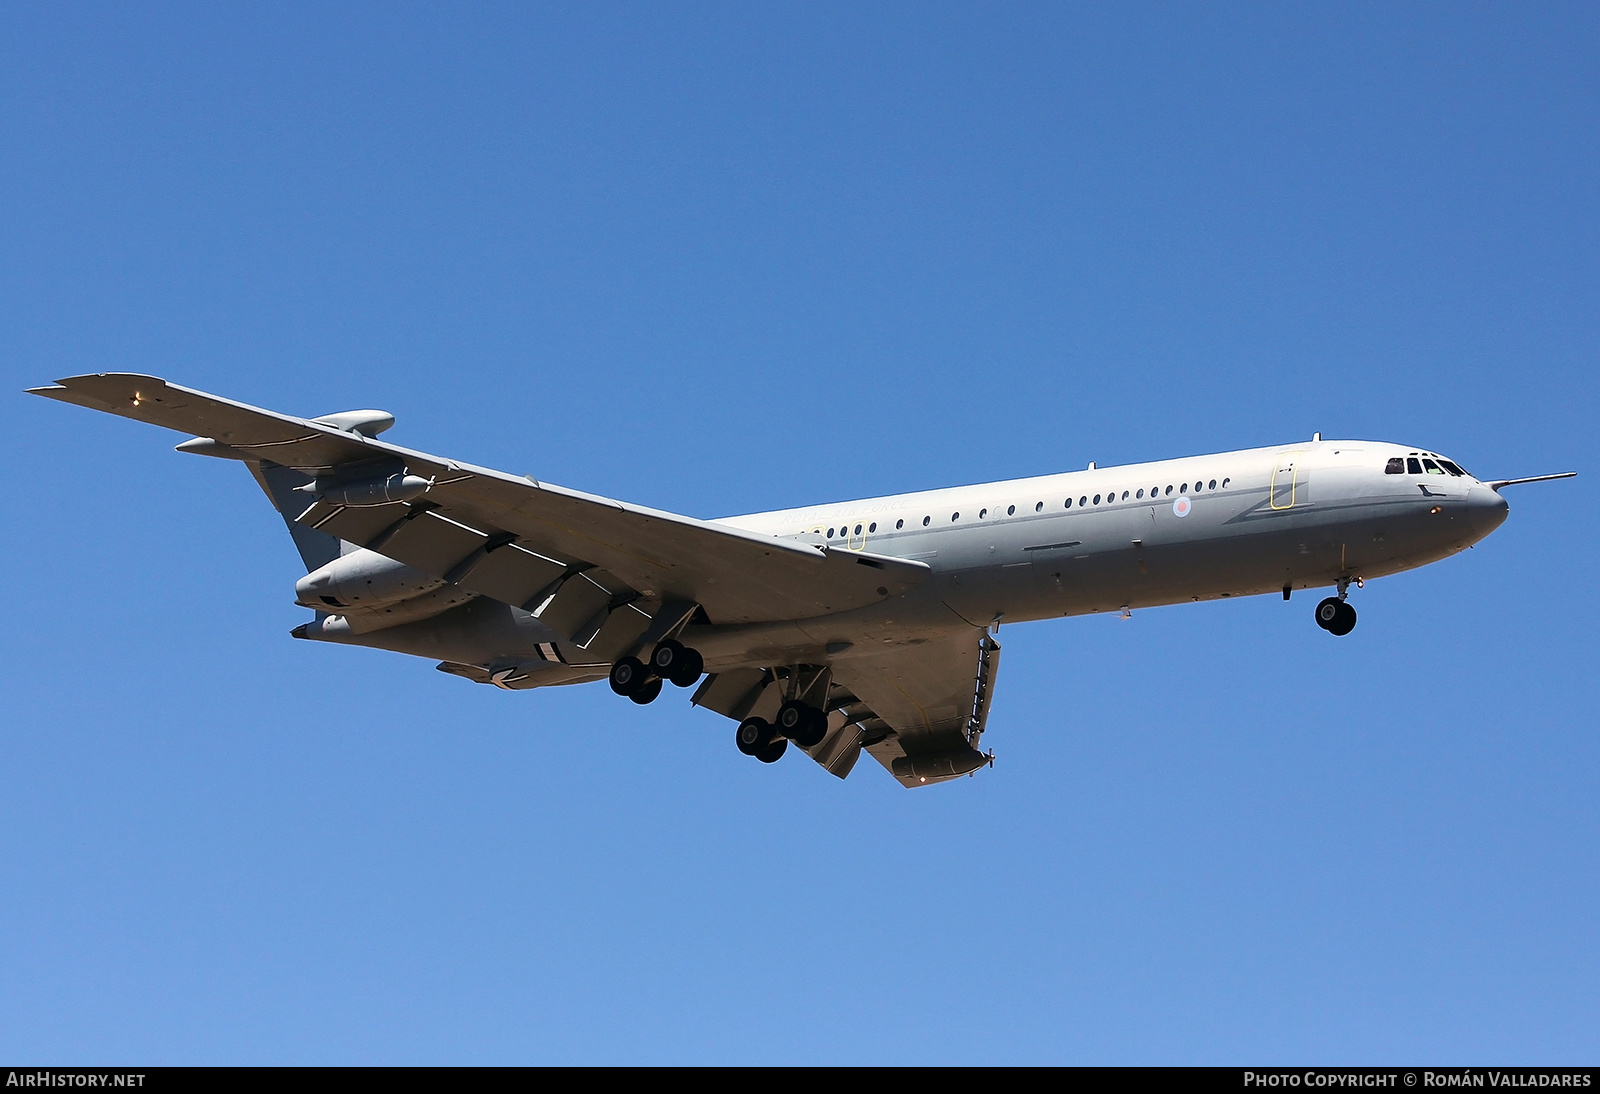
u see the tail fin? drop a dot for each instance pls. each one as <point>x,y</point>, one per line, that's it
<point>317,549</point>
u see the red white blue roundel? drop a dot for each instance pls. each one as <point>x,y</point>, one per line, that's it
<point>1181,507</point>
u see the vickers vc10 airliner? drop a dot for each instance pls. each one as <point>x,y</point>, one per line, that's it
<point>860,626</point>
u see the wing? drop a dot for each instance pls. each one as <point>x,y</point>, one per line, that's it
<point>922,708</point>
<point>918,708</point>
<point>574,558</point>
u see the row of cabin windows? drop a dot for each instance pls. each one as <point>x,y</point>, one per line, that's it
<point>1411,465</point>
<point>1083,501</point>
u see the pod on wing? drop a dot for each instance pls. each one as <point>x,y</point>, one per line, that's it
<point>379,491</point>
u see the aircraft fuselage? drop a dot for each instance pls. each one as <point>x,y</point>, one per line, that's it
<point>1099,540</point>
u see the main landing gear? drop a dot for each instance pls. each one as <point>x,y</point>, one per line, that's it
<point>757,737</point>
<point>799,722</point>
<point>670,660</point>
<point>1335,615</point>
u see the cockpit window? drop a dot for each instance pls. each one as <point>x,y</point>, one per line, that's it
<point>1413,465</point>
<point>1433,468</point>
<point>1450,467</point>
<point>1396,466</point>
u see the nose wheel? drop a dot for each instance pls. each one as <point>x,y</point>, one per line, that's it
<point>1336,616</point>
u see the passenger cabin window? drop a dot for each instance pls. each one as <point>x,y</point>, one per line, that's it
<point>1140,494</point>
<point>925,521</point>
<point>1413,465</point>
<point>1124,495</point>
<point>954,517</point>
<point>1396,466</point>
<point>1097,499</point>
<point>899,524</point>
<point>1169,488</point>
<point>1183,488</point>
<point>1433,468</point>
<point>1084,500</point>
<point>1039,508</point>
<point>830,533</point>
<point>1011,510</point>
<point>1213,485</point>
<point>982,513</point>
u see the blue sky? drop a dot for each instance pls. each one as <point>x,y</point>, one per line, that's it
<point>723,258</point>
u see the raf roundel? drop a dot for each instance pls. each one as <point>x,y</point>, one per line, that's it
<point>1181,507</point>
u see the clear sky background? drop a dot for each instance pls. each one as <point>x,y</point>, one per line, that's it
<point>724,258</point>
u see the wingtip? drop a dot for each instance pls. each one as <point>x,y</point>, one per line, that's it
<point>61,393</point>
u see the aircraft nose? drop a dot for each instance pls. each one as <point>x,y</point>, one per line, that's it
<point>1486,509</point>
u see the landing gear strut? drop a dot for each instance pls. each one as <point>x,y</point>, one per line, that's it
<point>1334,614</point>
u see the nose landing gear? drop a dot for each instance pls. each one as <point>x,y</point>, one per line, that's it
<point>1335,615</point>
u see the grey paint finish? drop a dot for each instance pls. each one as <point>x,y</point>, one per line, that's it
<point>876,609</point>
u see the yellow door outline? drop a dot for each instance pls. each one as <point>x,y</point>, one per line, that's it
<point>1288,463</point>
<point>855,542</point>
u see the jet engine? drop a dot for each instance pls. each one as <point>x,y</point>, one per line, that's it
<point>362,580</point>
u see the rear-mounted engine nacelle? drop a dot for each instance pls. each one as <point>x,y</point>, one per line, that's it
<point>362,579</point>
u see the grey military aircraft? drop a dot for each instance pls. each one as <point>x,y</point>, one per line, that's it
<point>863,626</point>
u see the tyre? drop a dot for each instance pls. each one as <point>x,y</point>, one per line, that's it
<point>688,674</point>
<point>1328,611</point>
<point>753,735</point>
<point>773,751</point>
<point>1344,622</point>
<point>626,675</point>
<point>816,727</point>
<point>667,657</point>
<point>647,691</point>
<point>793,717</point>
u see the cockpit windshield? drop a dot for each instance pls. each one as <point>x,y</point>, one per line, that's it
<point>1421,463</point>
